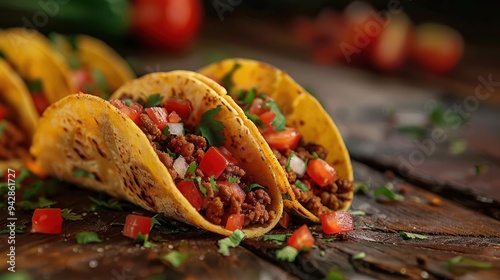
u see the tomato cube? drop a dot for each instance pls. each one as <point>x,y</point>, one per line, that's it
<point>159,116</point>
<point>235,221</point>
<point>282,140</point>
<point>301,238</point>
<point>182,107</point>
<point>321,172</point>
<point>214,162</point>
<point>191,193</point>
<point>135,224</point>
<point>47,220</point>
<point>173,117</point>
<point>337,222</point>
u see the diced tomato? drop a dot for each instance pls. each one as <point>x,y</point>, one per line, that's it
<point>301,238</point>
<point>235,189</point>
<point>191,193</point>
<point>182,107</point>
<point>228,154</point>
<point>173,117</point>
<point>336,222</point>
<point>40,101</point>
<point>285,220</point>
<point>158,115</point>
<point>214,162</point>
<point>133,111</point>
<point>82,77</point>
<point>267,118</point>
<point>135,224</point>
<point>117,103</point>
<point>3,112</point>
<point>47,220</point>
<point>257,107</point>
<point>282,140</point>
<point>235,221</point>
<point>321,172</point>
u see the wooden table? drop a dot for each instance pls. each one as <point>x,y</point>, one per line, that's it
<point>456,211</point>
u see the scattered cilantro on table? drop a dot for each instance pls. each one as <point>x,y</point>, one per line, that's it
<point>86,237</point>
<point>231,241</point>
<point>175,258</point>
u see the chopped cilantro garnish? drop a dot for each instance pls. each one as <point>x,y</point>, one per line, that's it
<point>301,185</point>
<point>17,229</point>
<point>78,172</point>
<point>100,80</point>
<point>68,214</point>
<point>359,256</point>
<point>329,239</point>
<point>167,226</point>
<point>445,117</point>
<point>412,131</point>
<point>279,121</point>
<point>315,155</point>
<point>286,196</point>
<point>479,169</point>
<point>191,171</point>
<point>254,118</point>
<point>322,253</point>
<point>30,205</point>
<point>212,183</point>
<point>292,154</point>
<point>211,128</point>
<point>232,180</point>
<point>389,194</point>
<point>287,253</point>
<point>274,237</point>
<point>175,258</point>
<point>457,146</point>
<point>358,213</point>
<point>467,262</point>
<point>33,190</point>
<point>248,98</point>
<point>334,274</point>
<point>231,241</point>
<point>166,131</point>
<point>247,189</point>
<point>412,235</point>
<point>170,153</point>
<point>364,187</point>
<point>143,240</point>
<point>227,80</point>
<point>239,94</point>
<point>154,100</point>
<point>34,86</point>
<point>127,102</point>
<point>111,205</point>
<point>85,237</point>
<point>200,185</point>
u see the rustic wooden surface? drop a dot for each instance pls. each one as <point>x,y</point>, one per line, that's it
<point>465,224</point>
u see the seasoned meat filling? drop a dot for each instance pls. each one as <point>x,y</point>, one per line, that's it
<point>13,142</point>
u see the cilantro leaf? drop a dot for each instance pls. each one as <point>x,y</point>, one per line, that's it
<point>292,154</point>
<point>191,171</point>
<point>85,237</point>
<point>200,185</point>
<point>254,118</point>
<point>457,146</point>
<point>358,213</point>
<point>128,102</point>
<point>227,80</point>
<point>231,241</point>
<point>167,226</point>
<point>17,229</point>
<point>315,155</point>
<point>34,86</point>
<point>411,235</point>
<point>78,173</point>
<point>212,183</point>
<point>274,237</point>
<point>301,185</point>
<point>175,258</point>
<point>111,204</point>
<point>385,191</point>
<point>68,214</point>
<point>467,262</point>
<point>170,153</point>
<point>166,131</point>
<point>232,180</point>
<point>154,100</point>
<point>279,121</point>
<point>287,253</point>
<point>364,187</point>
<point>33,190</point>
<point>329,239</point>
<point>286,196</point>
<point>211,128</point>
<point>248,189</point>
<point>441,117</point>
<point>359,256</point>
<point>249,97</point>
<point>334,274</point>
<point>30,205</point>
<point>143,240</point>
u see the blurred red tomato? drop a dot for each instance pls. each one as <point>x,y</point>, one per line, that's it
<point>437,48</point>
<point>167,23</point>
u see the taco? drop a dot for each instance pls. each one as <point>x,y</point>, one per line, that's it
<point>168,143</point>
<point>17,118</point>
<point>44,71</point>
<point>303,138</point>
<point>96,68</point>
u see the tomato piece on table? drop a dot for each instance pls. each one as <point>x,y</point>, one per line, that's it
<point>159,116</point>
<point>214,162</point>
<point>135,224</point>
<point>282,140</point>
<point>182,107</point>
<point>40,101</point>
<point>301,238</point>
<point>235,221</point>
<point>284,220</point>
<point>47,220</point>
<point>191,193</point>
<point>321,172</point>
<point>337,222</point>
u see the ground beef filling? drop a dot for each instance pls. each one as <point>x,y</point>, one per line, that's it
<point>13,142</point>
<point>220,204</point>
<point>317,200</point>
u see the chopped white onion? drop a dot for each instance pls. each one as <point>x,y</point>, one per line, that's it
<point>176,128</point>
<point>298,166</point>
<point>180,166</point>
